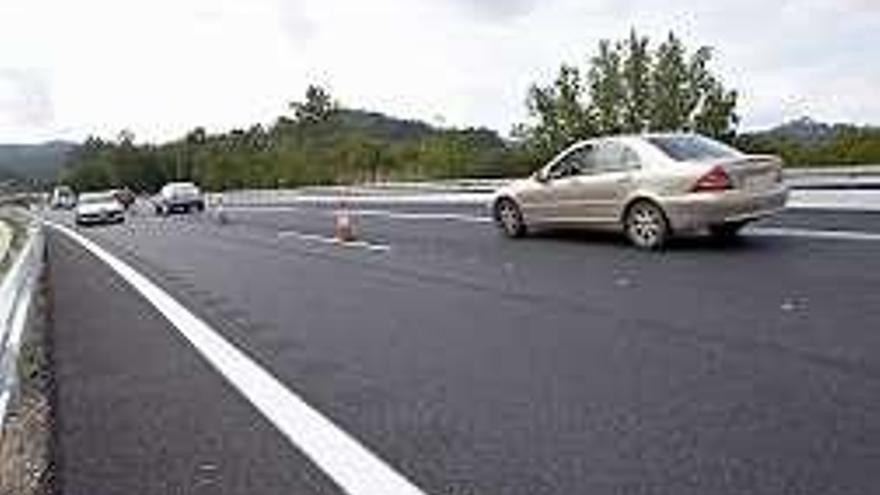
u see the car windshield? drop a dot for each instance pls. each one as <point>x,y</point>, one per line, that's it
<point>692,147</point>
<point>95,198</point>
<point>183,189</point>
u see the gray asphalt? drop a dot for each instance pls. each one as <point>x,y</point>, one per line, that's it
<point>561,363</point>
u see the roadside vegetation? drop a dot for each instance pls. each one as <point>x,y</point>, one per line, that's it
<point>626,86</point>
<point>26,436</point>
<point>804,142</point>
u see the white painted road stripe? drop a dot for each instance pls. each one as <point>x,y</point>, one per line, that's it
<point>371,246</point>
<point>422,216</point>
<point>841,200</point>
<point>400,215</point>
<point>842,235</point>
<point>345,460</point>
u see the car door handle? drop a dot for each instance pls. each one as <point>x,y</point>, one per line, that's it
<point>624,180</point>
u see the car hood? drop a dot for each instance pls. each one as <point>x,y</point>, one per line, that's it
<point>94,208</point>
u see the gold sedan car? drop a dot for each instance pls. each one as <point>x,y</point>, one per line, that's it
<point>649,186</point>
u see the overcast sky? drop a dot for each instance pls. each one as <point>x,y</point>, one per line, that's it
<point>160,67</point>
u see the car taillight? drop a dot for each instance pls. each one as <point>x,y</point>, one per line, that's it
<point>715,179</point>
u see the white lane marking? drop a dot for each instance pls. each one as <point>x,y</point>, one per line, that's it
<point>370,246</point>
<point>335,200</point>
<point>422,216</point>
<point>398,215</point>
<point>842,235</point>
<point>345,460</point>
<point>843,200</point>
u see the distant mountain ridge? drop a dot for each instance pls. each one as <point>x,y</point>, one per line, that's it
<point>33,162</point>
<point>807,142</point>
<point>381,126</point>
<point>807,131</point>
<point>804,129</point>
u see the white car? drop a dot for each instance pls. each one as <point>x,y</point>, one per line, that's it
<point>649,186</point>
<point>63,197</point>
<point>98,208</point>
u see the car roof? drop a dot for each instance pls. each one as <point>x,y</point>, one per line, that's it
<point>644,136</point>
<point>639,142</point>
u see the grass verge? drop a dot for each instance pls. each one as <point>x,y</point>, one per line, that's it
<point>26,465</point>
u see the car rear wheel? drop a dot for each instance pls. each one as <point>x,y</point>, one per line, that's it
<point>509,218</point>
<point>645,225</point>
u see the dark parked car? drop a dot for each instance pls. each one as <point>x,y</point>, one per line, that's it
<point>178,197</point>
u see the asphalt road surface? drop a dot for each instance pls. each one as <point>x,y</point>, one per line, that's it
<point>473,364</point>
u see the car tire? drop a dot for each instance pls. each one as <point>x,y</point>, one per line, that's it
<point>645,225</point>
<point>509,218</point>
<point>726,231</point>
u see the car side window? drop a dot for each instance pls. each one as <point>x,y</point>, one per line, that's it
<point>612,156</point>
<point>577,162</point>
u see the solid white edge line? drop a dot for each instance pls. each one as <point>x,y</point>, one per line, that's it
<point>345,460</point>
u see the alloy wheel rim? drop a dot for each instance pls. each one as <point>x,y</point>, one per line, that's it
<point>645,226</point>
<point>509,218</point>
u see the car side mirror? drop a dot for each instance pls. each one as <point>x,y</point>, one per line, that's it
<point>542,177</point>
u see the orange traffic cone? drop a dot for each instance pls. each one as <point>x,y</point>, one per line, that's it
<point>344,226</point>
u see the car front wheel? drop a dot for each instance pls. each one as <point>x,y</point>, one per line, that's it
<point>646,226</point>
<point>509,218</point>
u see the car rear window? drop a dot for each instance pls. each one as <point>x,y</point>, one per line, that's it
<point>692,148</point>
<point>182,188</point>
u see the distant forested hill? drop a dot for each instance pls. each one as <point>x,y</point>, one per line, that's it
<point>320,143</point>
<point>33,162</point>
<point>805,142</point>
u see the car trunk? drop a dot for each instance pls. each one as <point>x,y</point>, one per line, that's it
<point>753,172</point>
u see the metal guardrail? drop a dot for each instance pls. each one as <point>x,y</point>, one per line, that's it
<point>17,287</point>
<point>835,170</point>
<point>6,234</point>
<point>834,177</point>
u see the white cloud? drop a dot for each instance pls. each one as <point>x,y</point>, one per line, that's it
<point>25,100</point>
<point>164,66</point>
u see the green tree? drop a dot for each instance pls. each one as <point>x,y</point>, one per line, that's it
<point>669,83</point>
<point>317,107</point>
<point>562,118</point>
<point>606,87</point>
<point>636,84</point>
<point>629,88</point>
<point>716,115</point>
